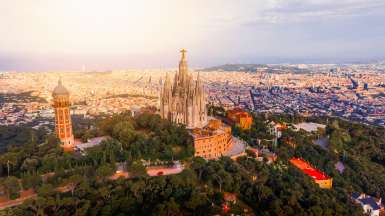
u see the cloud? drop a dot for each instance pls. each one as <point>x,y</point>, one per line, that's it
<point>211,29</point>
<point>294,11</point>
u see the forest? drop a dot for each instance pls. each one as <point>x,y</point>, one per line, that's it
<point>35,161</point>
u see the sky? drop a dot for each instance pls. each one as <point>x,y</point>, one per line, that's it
<point>119,34</point>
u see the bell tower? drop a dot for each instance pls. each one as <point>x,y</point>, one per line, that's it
<point>63,123</point>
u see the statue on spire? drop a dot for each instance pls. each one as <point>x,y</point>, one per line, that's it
<point>183,51</point>
<point>183,69</point>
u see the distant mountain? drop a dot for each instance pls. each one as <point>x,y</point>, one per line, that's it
<point>236,67</point>
<point>255,67</point>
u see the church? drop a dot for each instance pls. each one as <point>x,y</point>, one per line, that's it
<point>184,100</point>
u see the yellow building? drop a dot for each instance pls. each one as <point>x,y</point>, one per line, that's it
<point>212,141</point>
<point>325,183</point>
<point>239,117</point>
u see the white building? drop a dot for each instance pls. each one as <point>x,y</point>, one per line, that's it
<point>369,204</point>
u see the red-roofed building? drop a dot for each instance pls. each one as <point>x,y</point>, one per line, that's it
<point>323,180</point>
<point>230,197</point>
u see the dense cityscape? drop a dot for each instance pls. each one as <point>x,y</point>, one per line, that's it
<point>354,92</point>
<point>192,108</point>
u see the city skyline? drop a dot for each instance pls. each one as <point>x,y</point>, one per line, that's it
<point>65,35</point>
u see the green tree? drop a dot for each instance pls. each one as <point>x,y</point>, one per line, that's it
<point>124,132</point>
<point>30,164</point>
<point>32,180</point>
<point>46,190</point>
<point>198,165</point>
<point>169,208</point>
<point>137,169</point>
<point>36,206</point>
<point>73,182</point>
<point>11,186</point>
<point>104,171</point>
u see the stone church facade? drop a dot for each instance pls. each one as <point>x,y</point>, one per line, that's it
<point>184,100</point>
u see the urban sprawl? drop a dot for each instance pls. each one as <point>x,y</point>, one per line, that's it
<point>354,92</point>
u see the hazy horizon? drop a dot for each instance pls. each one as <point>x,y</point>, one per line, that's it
<point>65,35</point>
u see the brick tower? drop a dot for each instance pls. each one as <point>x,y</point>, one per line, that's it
<point>63,123</point>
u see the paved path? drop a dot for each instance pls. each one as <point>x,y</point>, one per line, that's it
<point>16,202</point>
<point>161,170</point>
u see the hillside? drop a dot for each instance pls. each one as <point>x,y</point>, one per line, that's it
<point>72,184</point>
<point>254,67</point>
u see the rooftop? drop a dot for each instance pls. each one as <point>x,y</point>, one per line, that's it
<point>370,201</point>
<point>308,169</point>
<point>92,142</point>
<point>309,126</point>
<point>60,89</point>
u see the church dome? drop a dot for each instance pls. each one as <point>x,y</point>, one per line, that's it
<point>60,90</point>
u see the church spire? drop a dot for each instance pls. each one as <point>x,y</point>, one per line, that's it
<point>183,71</point>
<point>167,82</point>
<point>183,51</point>
<point>198,82</point>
